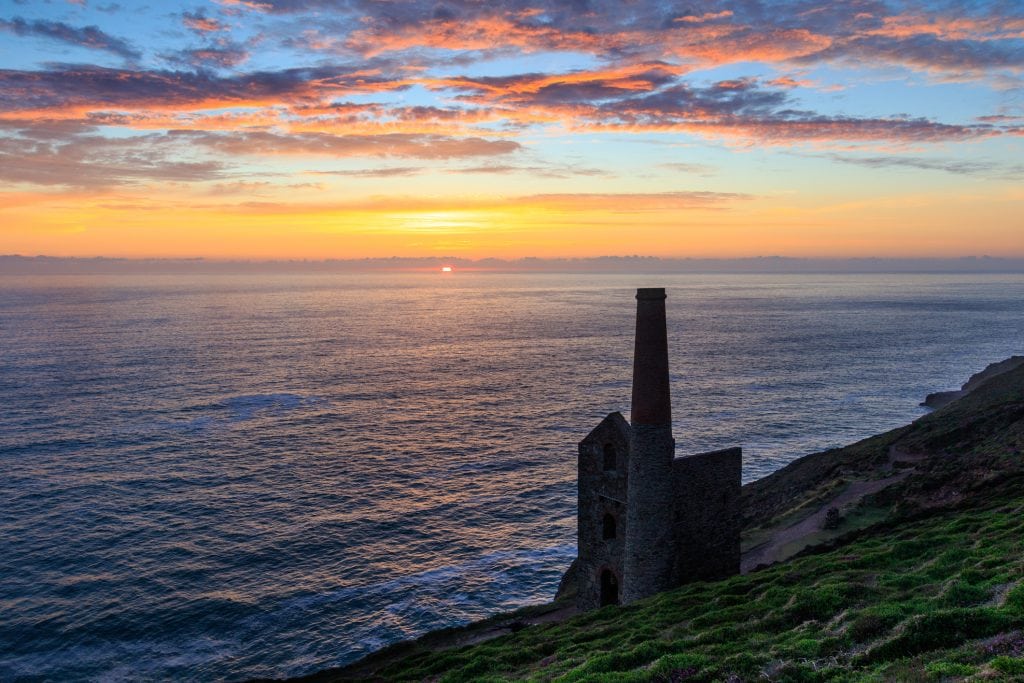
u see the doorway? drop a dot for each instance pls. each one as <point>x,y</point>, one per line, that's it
<point>609,588</point>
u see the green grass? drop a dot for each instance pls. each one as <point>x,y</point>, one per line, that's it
<point>936,599</point>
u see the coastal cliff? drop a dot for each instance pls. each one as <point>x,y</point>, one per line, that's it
<point>941,398</point>
<point>894,558</point>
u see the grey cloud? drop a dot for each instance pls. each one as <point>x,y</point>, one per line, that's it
<point>384,145</point>
<point>77,85</point>
<point>684,167</point>
<point>223,57</point>
<point>392,172</point>
<point>549,171</point>
<point>955,166</point>
<point>95,162</point>
<point>88,36</point>
<point>926,51</point>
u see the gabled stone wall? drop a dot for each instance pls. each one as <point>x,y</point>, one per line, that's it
<point>601,492</point>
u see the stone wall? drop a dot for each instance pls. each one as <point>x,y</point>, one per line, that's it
<point>649,533</point>
<point>601,492</point>
<point>707,515</point>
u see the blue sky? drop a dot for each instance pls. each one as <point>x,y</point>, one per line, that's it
<point>349,128</point>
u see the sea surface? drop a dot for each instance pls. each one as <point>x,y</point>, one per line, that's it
<point>222,477</point>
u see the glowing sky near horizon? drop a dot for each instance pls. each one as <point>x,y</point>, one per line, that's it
<point>359,128</point>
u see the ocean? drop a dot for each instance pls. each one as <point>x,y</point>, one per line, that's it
<point>223,477</point>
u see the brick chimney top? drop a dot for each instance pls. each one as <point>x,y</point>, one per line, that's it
<point>650,293</point>
<point>651,401</point>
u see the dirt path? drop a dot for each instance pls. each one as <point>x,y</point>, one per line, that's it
<point>785,542</point>
<point>775,549</point>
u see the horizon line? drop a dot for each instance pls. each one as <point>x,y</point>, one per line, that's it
<point>17,264</point>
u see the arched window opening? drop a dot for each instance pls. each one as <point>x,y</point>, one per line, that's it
<point>609,457</point>
<point>608,527</point>
<point>609,588</point>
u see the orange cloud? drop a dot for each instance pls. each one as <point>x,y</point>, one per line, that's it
<point>722,45</point>
<point>84,89</point>
<point>480,33</point>
<point>199,22</point>
<point>708,16</point>
<point>694,39</point>
<point>950,28</point>
<point>632,202</point>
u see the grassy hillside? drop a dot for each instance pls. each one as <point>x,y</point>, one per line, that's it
<point>922,581</point>
<point>948,455</point>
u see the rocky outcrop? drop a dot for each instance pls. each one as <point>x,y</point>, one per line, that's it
<point>568,587</point>
<point>941,398</point>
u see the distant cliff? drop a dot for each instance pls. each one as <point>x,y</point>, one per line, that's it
<point>941,398</point>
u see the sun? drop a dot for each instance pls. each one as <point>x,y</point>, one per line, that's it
<point>446,269</point>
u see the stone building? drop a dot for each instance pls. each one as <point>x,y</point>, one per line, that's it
<point>649,521</point>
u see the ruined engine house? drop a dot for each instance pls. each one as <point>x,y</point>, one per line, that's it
<point>650,521</point>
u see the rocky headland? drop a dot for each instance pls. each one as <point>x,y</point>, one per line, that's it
<point>941,398</point>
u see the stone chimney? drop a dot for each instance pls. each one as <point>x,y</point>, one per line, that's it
<point>649,542</point>
<point>652,404</point>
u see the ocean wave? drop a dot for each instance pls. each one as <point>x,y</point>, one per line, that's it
<point>241,408</point>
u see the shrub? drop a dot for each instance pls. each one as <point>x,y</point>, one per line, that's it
<point>820,602</point>
<point>621,660</point>
<point>963,594</point>
<point>807,647</point>
<point>1011,666</point>
<point>832,519</point>
<point>1015,599</point>
<point>1011,643</point>
<point>678,667</point>
<point>941,670</point>
<point>792,672</point>
<point>873,621</point>
<point>945,628</point>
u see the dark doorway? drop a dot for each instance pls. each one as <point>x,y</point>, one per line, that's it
<point>609,457</point>
<point>608,527</point>
<point>609,588</point>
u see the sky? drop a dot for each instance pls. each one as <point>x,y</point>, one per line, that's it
<point>309,129</point>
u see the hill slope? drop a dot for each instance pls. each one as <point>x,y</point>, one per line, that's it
<point>921,578</point>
